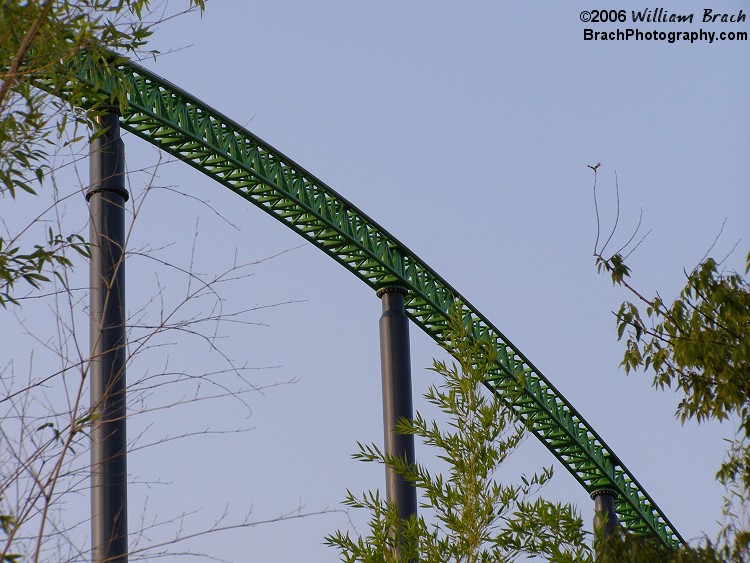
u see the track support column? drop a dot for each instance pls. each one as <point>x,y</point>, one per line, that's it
<point>107,196</point>
<point>605,518</point>
<point>395,366</point>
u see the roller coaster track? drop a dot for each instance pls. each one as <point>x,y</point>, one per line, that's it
<point>181,125</point>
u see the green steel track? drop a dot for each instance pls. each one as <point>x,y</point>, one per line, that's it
<point>183,126</point>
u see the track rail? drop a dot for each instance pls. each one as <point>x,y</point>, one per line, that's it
<point>183,126</point>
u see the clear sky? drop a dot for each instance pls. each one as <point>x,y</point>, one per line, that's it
<point>465,129</point>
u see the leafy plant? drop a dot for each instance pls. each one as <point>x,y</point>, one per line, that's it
<point>468,514</point>
<point>699,346</point>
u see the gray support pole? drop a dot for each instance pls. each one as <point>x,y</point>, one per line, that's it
<point>395,366</point>
<point>605,518</point>
<point>107,196</point>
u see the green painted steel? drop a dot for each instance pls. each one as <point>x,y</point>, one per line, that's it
<point>183,126</point>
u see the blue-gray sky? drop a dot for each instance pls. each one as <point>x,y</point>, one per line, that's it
<point>466,130</point>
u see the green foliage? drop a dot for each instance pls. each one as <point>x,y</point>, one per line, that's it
<point>7,524</point>
<point>37,40</point>
<point>15,266</point>
<point>699,346</point>
<point>621,548</point>
<point>467,515</point>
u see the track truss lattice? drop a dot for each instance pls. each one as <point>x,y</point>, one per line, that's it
<point>183,126</point>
